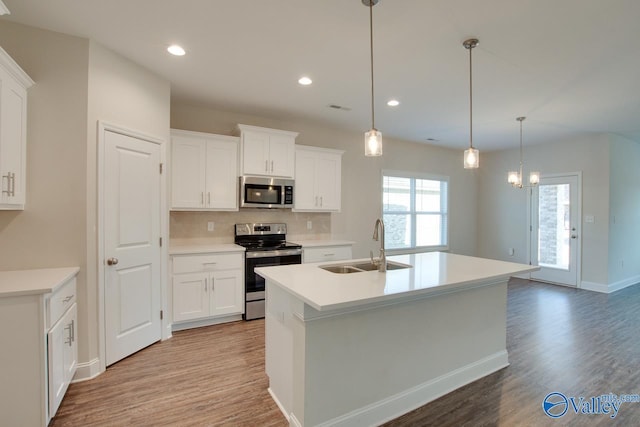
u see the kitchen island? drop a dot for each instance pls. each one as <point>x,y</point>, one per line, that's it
<point>366,347</point>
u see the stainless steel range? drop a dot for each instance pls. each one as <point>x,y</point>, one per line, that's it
<point>266,245</point>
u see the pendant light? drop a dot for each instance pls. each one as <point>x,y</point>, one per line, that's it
<point>372,138</point>
<point>515,177</point>
<point>471,155</point>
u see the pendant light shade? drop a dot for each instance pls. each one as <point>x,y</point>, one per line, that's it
<point>471,158</point>
<point>515,177</point>
<point>373,143</point>
<point>471,155</point>
<point>372,138</point>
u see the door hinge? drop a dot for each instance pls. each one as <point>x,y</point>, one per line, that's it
<point>161,314</point>
<point>161,242</point>
<point>160,168</point>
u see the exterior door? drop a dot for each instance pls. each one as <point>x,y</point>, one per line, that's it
<point>555,229</point>
<point>131,244</point>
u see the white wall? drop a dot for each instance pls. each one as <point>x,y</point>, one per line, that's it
<point>361,176</point>
<point>502,209</point>
<point>624,202</point>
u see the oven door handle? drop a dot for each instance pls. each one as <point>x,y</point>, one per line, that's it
<point>278,252</point>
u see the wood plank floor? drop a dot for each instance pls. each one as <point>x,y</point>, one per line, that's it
<point>559,339</point>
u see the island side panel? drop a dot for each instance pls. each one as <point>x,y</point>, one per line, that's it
<point>368,366</point>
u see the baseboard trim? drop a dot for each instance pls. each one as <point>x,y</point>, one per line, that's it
<point>594,287</point>
<point>205,322</point>
<point>394,406</point>
<point>87,371</point>
<point>275,399</point>
<point>611,287</point>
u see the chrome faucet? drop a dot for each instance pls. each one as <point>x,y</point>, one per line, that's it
<point>382,262</point>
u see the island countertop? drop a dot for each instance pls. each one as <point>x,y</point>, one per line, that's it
<point>430,273</point>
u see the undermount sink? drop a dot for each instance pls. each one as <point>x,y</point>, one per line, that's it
<point>361,267</point>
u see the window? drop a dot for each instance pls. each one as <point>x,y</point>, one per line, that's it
<point>414,209</point>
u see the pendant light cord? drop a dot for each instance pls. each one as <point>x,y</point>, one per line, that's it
<point>470,99</point>
<point>373,116</point>
<point>520,119</point>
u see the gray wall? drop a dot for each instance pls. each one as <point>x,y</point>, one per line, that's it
<point>624,221</point>
<point>502,210</point>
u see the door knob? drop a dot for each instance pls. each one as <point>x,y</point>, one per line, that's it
<point>112,261</point>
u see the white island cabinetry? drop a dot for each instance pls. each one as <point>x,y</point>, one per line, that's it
<point>365,347</point>
<point>318,179</point>
<point>207,284</point>
<point>14,83</point>
<point>39,352</point>
<point>204,171</point>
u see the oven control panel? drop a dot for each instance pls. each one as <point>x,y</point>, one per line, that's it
<point>260,229</point>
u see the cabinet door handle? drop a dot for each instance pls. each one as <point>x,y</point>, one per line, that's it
<point>329,254</point>
<point>321,201</point>
<point>271,165</point>
<point>316,201</point>
<point>68,298</point>
<point>213,283</point>
<point>73,330</point>
<point>266,165</point>
<point>11,184</point>
<point>205,285</point>
<point>202,198</point>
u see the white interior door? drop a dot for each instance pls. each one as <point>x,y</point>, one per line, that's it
<point>131,245</point>
<point>555,229</point>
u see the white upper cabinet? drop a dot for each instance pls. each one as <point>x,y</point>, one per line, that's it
<point>267,152</point>
<point>204,171</point>
<point>14,83</point>
<point>318,179</point>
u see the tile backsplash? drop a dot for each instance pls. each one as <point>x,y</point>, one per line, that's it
<point>192,226</point>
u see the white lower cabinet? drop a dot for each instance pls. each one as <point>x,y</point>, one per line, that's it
<point>63,356</point>
<point>207,286</point>
<point>39,353</point>
<point>326,253</point>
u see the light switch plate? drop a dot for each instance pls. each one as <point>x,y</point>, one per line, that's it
<point>589,219</point>
<point>210,226</point>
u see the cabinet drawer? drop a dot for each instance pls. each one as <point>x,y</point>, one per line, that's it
<point>326,253</point>
<point>60,301</point>
<point>206,262</point>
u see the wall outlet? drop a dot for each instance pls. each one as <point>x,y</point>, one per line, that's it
<point>309,225</point>
<point>512,251</point>
<point>210,226</point>
<point>590,219</point>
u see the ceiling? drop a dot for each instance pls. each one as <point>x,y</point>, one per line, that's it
<point>570,66</point>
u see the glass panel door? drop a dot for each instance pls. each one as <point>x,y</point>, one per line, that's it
<point>555,228</point>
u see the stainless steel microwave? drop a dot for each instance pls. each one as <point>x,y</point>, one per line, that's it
<point>270,193</point>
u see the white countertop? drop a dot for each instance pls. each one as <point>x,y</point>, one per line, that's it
<point>200,248</point>
<point>33,282</point>
<point>321,243</point>
<point>431,273</point>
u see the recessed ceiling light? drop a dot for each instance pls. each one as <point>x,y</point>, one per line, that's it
<point>305,81</point>
<point>393,103</point>
<point>176,50</point>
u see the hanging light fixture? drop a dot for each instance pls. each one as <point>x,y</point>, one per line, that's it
<point>515,177</point>
<point>471,155</point>
<point>372,138</point>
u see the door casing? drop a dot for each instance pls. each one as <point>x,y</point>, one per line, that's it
<point>530,206</point>
<point>164,233</point>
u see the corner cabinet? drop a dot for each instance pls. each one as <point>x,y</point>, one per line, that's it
<point>267,152</point>
<point>318,179</point>
<point>204,171</point>
<point>207,287</point>
<point>14,83</point>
